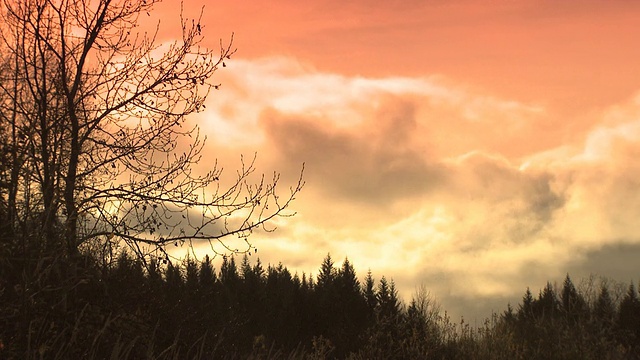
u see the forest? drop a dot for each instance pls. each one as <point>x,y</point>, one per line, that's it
<point>100,183</point>
<point>247,310</point>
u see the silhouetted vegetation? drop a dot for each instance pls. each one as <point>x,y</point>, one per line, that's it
<point>248,310</point>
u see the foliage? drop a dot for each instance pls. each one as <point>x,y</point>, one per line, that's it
<point>191,310</point>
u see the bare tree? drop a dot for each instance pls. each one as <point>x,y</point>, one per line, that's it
<point>99,131</point>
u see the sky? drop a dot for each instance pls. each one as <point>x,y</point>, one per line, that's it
<point>476,148</point>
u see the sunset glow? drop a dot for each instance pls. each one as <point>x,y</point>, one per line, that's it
<point>476,149</point>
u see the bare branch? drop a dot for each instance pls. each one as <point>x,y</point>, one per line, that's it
<point>99,129</point>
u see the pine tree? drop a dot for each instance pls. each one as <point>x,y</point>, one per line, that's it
<point>387,296</point>
<point>604,314</point>
<point>385,335</point>
<point>282,307</point>
<point>258,270</point>
<point>246,270</point>
<point>328,273</point>
<point>573,305</point>
<point>191,277</point>
<point>525,310</point>
<point>508,315</point>
<point>229,275</point>
<point>326,300</point>
<point>207,275</point>
<point>370,292</point>
<point>350,310</point>
<point>173,283</point>
<point>252,288</point>
<point>347,279</point>
<point>629,317</point>
<point>546,307</point>
<point>304,284</point>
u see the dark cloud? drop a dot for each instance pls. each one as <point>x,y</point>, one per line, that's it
<point>617,261</point>
<point>374,163</point>
<point>541,198</point>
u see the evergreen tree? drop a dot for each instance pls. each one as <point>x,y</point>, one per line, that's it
<point>347,279</point>
<point>282,307</point>
<point>252,299</point>
<point>327,274</point>
<point>304,284</point>
<point>191,308</point>
<point>508,315</point>
<point>207,275</point>
<point>209,304</point>
<point>245,267</point>
<point>384,337</point>
<point>604,316</point>
<point>546,307</point>
<point>525,311</point>
<point>370,292</point>
<point>350,311</point>
<point>307,309</point>
<point>229,275</point>
<point>629,318</point>
<point>325,301</point>
<point>387,297</point>
<point>191,277</point>
<point>258,270</point>
<point>604,309</point>
<point>573,304</point>
<point>252,281</point>
<point>173,285</point>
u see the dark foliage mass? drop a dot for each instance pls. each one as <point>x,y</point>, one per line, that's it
<point>248,310</point>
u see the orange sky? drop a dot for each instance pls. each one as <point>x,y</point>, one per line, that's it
<point>475,147</point>
<point>532,50</point>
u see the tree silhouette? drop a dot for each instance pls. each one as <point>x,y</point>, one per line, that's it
<point>369,292</point>
<point>350,309</point>
<point>327,274</point>
<point>99,146</point>
<point>629,318</point>
<point>525,310</point>
<point>573,304</point>
<point>387,295</point>
<point>546,306</point>
<point>604,310</point>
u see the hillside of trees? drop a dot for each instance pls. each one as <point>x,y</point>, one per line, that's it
<point>247,310</point>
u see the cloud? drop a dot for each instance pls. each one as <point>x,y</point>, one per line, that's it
<point>391,132</point>
<point>294,88</point>
<point>372,165</point>
<point>617,261</point>
<point>429,181</point>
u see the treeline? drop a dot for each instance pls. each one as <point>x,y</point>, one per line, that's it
<point>191,310</point>
<point>598,322</point>
<point>246,310</point>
